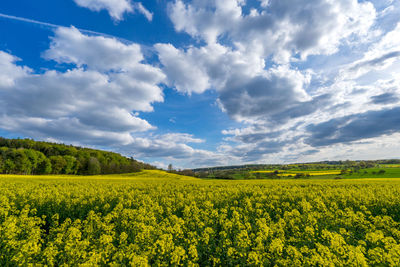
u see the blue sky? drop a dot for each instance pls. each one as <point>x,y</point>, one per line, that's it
<point>204,83</point>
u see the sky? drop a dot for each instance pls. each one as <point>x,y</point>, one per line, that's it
<point>204,83</point>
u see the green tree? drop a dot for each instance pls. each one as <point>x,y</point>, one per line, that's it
<point>22,163</point>
<point>71,165</point>
<point>93,166</point>
<point>44,166</point>
<point>9,166</point>
<point>58,163</point>
<point>33,157</point>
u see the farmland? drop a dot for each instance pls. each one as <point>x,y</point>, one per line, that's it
<point>290,173</point>
<point>158,218</point>
<point>376,172</point>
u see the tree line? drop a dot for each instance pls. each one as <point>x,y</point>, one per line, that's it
<point>26,156</point>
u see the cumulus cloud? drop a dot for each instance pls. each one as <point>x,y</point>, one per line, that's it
<point>246,90</point>
<point>288,68</point>
<point>278,28</point>
<point>9,70</point>
<point>69,45</point>
<point>94,100</point>
<point>174,148</point>
<point>115,8</point>
<point>197,69</point>
<point>206,19</point>
<point>272,96</point>
<point>63,129</point>
<point>183,74</point>
<point>234,61</point>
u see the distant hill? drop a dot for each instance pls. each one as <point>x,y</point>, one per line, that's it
<point>26,156</point>
<point>314,165</point>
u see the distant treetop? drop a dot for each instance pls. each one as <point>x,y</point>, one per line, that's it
<point>26,156</point>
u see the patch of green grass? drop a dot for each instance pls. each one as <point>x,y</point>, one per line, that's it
<point>375,173</point>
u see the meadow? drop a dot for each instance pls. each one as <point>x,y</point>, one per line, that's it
<point>159,219</point>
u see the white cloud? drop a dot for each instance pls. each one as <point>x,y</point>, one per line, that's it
<point>173,148</point>
<point>380,56</point>
<point>115,8</point>
<point>9,70</point>
<point>279,28</point>
<point>197,69</point>
<point>69,45</point>
<point>92,101</point>
<point>183,74</point>
<point>250,88</point>
<point>205,19</point>
<point>149,15</point>
<point>246,90</point>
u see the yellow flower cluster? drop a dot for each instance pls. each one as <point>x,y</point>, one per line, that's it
<point>160,220</point>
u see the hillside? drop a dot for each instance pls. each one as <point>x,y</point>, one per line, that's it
<point>26,156</point>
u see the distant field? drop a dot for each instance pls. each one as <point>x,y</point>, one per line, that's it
<point>154,218</point>
<point>388,172</point>
<point>390,165</point>
<point>311,173</point>
<point>289,173</point>
<point>391,172</point>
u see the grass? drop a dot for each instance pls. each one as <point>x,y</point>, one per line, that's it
<point>374,173</point>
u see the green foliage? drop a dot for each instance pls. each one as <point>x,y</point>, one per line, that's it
<point>58,163</point>
<point>44,167</point>
<point>93,166</point>
<point>25,156</point>
<point>167,219</point>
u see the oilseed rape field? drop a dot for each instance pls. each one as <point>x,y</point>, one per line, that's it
<point>154,218</point>
<point>287,173</point>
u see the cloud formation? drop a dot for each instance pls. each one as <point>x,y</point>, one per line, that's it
<point>260,60</point>
<point>355,127</point>
<point>96,97</point>
<point>278,28</point>
<point>115,8</point>
<point>94,102</point>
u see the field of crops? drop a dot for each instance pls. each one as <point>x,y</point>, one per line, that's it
<point>288,173</point>
<point>160,219</point>
<point>390,165</point>
<point>384,171</point>
<point>310,173</point>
